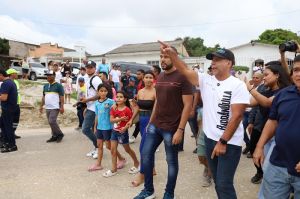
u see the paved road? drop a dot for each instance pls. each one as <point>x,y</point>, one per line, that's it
<point>59,171</point>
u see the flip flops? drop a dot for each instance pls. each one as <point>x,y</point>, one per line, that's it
<point>109,173</point>
<point>95,167</point>
<point>133,170</point>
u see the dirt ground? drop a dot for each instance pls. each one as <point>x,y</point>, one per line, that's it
<point>59,171</point>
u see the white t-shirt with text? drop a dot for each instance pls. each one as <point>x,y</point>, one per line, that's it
<point>217,97</point>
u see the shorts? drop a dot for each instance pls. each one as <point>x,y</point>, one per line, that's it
<point>121,138</point>
<point>201,151</point>
<point>103,134</point>
<point>25,70</point>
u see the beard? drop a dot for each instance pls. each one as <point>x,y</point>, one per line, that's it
<point>165,66</point>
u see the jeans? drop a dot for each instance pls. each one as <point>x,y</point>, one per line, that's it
<point>117,86</point>
<point>279,183</point>
<point>245,124</point>
<point>7,130</point>
<point>144,120</point>
<point>223,168</point>
<point>80,116</point>
<point>52,115</point>
<point>154,136</point>
<point>268,148</point>
<point>88,126</point>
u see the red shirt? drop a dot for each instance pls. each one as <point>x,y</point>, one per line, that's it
<point>118,114</point>
<point>140,85</point>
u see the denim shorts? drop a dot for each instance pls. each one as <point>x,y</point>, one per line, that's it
<point>121,138</point>
<point>103,134</point>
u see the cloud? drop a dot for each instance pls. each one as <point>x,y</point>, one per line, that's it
<point>104,25</point>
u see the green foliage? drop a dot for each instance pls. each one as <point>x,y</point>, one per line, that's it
<point>277,36</point>
<point>241,68</point>
<point>4,46</point>
<point>195,46</point>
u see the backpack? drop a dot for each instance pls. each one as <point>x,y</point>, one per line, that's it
<point>91,83</point>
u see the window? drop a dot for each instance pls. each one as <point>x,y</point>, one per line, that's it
<point>153,63</point>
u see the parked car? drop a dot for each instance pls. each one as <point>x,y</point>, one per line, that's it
<point>36,70</point>
<point>133,66</point>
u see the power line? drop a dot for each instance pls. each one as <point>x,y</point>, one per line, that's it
<point>166,26</point>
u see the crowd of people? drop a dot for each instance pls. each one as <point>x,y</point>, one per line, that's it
<point>222,112</point>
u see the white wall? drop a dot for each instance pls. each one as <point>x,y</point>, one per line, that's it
<point>141,58</point>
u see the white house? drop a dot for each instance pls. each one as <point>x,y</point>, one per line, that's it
<point>142,53</point>
<point>245,55</point>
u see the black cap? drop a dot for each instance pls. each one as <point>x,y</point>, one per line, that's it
<point>222,53</point>
<point>90,64</point>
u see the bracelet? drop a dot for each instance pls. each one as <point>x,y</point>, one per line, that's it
<point>251,89</point>
<point>181,129</point>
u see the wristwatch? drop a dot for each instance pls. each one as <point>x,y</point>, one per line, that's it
<point>222,141</point>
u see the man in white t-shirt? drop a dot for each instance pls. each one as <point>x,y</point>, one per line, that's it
<point>115,76</point>
<point>82,74</point>
<point>58,75</point>
<point>92,84</point>
<point>224,101</point>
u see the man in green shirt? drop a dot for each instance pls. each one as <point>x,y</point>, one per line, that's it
<point>13,75</point>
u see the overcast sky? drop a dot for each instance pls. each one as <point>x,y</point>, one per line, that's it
<point>101,26</point>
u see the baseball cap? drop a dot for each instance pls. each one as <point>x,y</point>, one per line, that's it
<point>49,72</point>
<point>132,79</point>
<point>81,79</point>
<point>222,53</point>
<point>90,63</point>
<point>11,71</point>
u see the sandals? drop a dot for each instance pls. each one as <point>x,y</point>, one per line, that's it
<point>95,167</point>
<point>121,164</point>
<point>109,173</point>
<point>133,170</point>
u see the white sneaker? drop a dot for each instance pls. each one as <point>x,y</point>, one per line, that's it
<point>131,139</point>
<point>95,155</point>
<point>91,153</point>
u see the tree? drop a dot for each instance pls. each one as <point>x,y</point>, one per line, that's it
<point>4,46</point>
<point>195,46</point>
<point>277,36</point>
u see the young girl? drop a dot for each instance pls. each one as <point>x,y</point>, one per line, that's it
<point>68,87</point>
<point>103,126</point>
<point>120,117</point>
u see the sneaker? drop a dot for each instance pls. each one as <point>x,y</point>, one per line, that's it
<point>17,137</point>
<point>145,195</point>
<point>9,149</point>
<point>52,139</point>
<point>59,138</point>
<point>246,150</point>
<point>195,151</point>
<point>95,155</point>
<point>206,182</point>
<point>257,178</point>
<point>249,155</point>
<point>168,195</point>
<point>131,139</point>
<point>91,153</point>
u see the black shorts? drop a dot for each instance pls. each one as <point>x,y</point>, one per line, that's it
<point>25,70</point>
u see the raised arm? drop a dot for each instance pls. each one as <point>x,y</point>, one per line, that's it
<point>191,75</point>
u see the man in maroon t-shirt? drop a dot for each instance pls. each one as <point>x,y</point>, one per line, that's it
<point>171,110</point>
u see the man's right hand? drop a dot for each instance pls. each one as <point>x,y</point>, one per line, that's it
<point>250,128</point>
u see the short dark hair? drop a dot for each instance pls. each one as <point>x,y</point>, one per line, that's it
<point>104,73</point>
<point>3,72</point>
<point>297,58</point>
<point>149,72</point>
<point>141,70</point>
<point>174,49</point>
<point>157,68</point>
